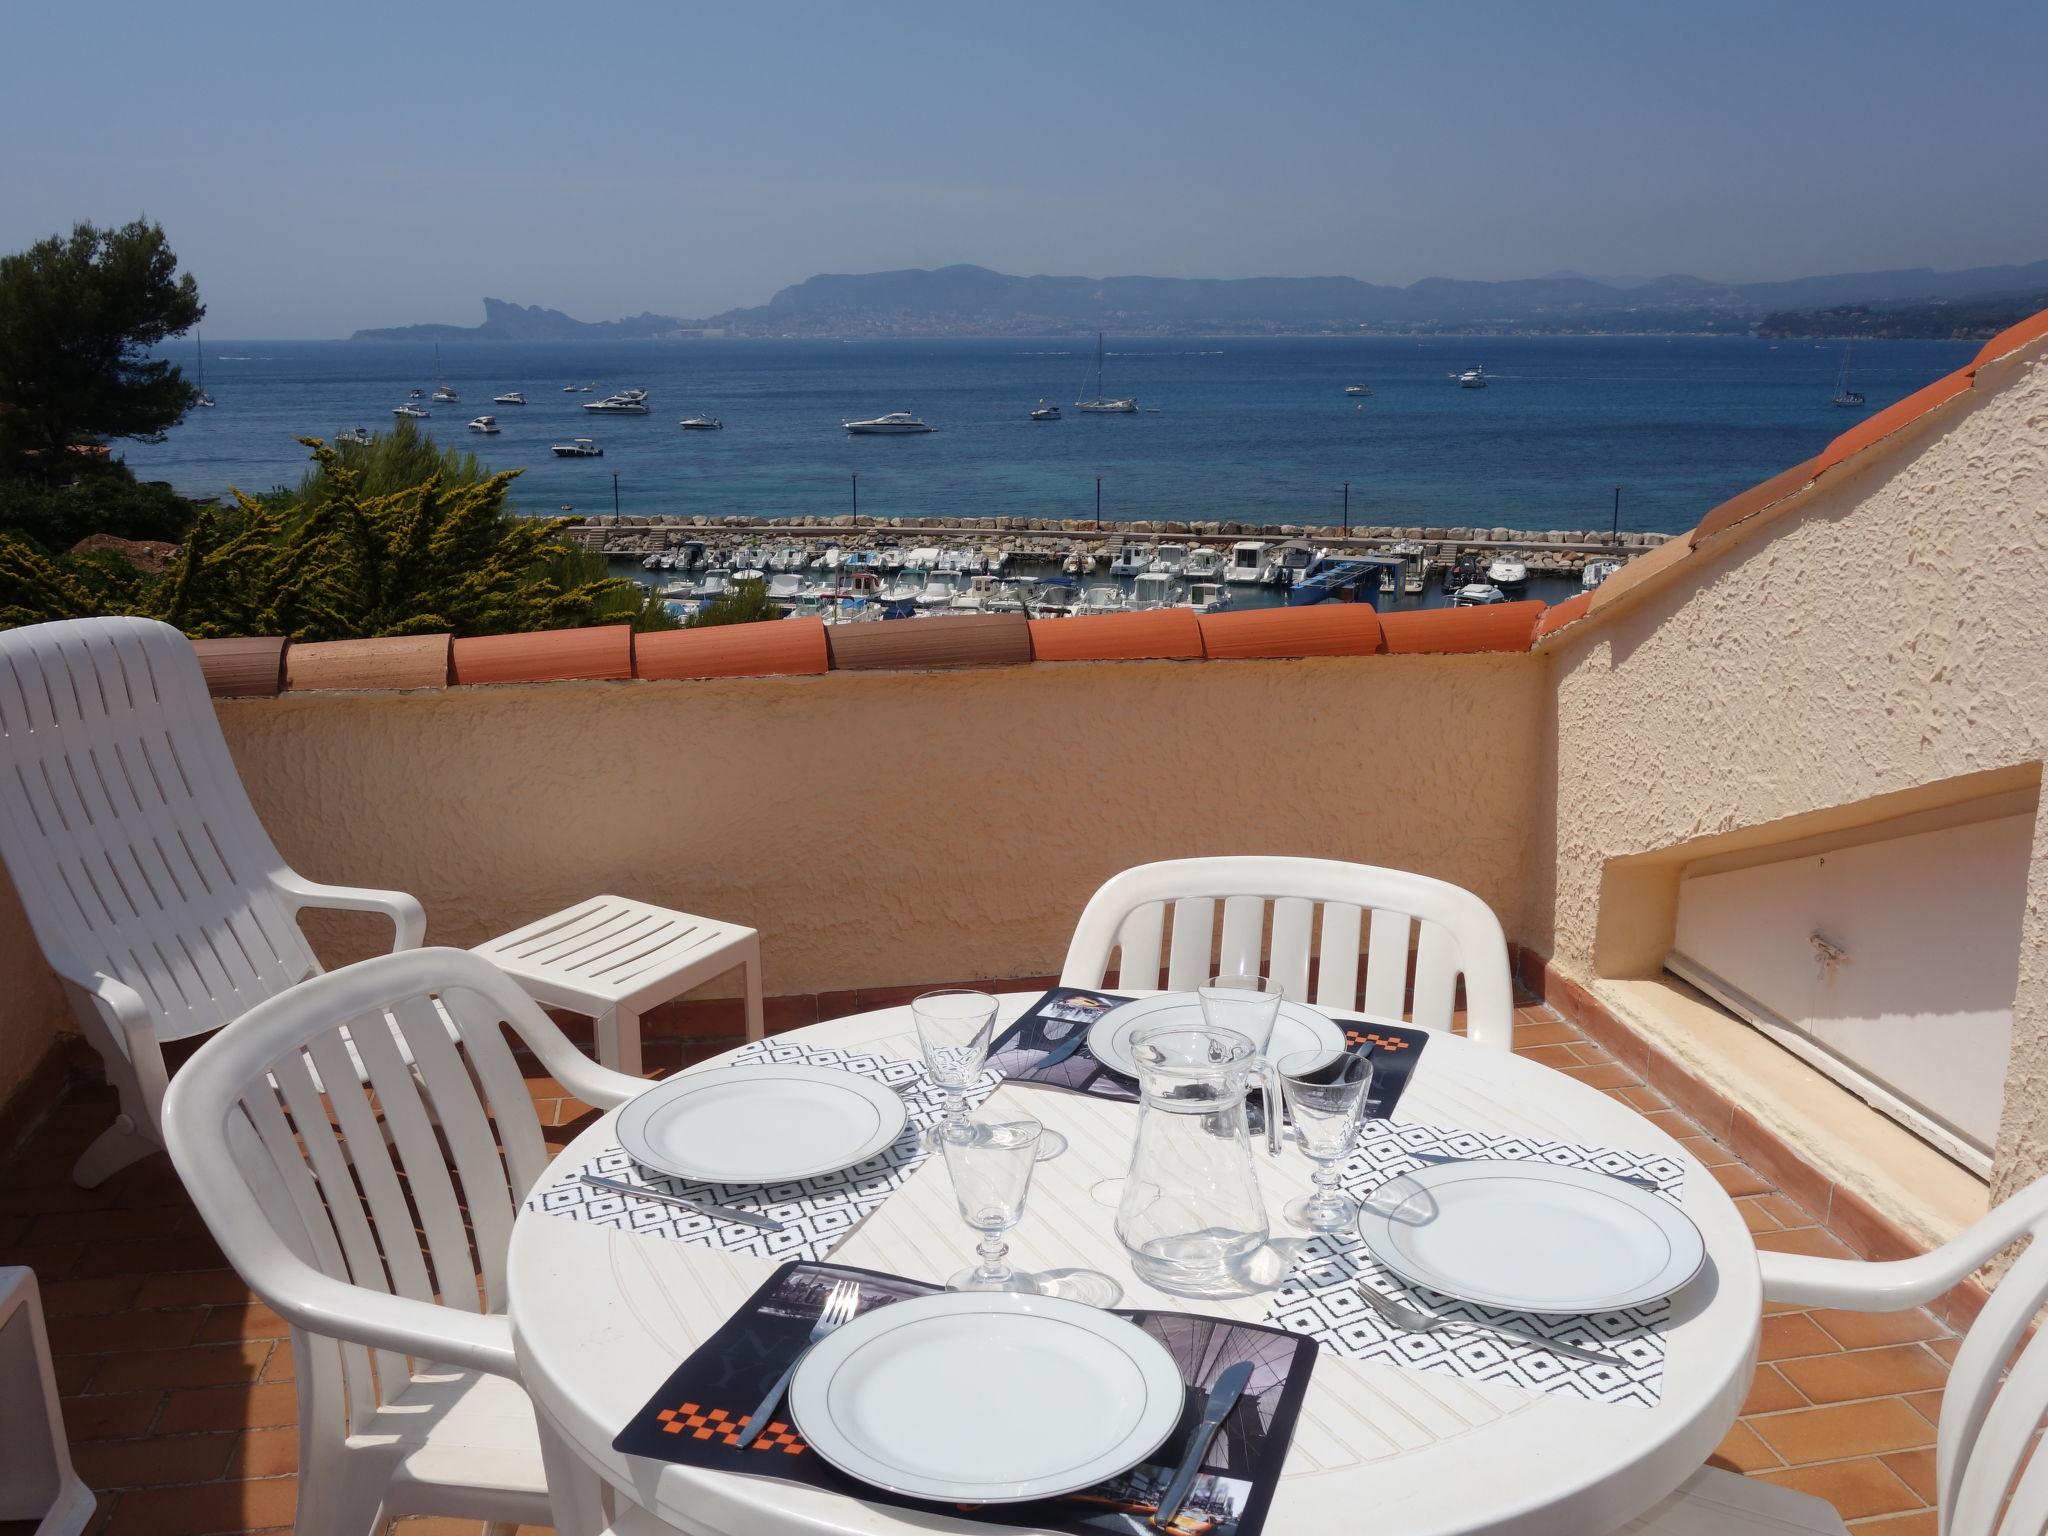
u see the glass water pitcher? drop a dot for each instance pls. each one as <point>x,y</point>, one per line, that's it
<point>1191,1216</point>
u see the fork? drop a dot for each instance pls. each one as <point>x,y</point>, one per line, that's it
<point>841,1303</point>
<point>1412,1320</point>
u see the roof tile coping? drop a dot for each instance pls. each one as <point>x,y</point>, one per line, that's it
<point>788,648</point>
<point>1323,629</point>
<point>390,661</point>
<point>1461,631</point>
<point>1151,634</point>
<point>243,666</point>
<point>600,654</point>
<point>1789,484</point>
<point>907,645</point>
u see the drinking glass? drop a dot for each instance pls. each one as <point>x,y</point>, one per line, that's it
<point>1326,1097</point>
<point>1243,1003</point>
<point>954,1028</point>
<point>990,1163</point>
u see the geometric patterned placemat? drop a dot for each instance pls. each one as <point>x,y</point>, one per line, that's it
<point>1320,1295</point>
<point>816,1212</point>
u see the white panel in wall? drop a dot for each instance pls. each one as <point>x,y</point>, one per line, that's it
<point>1917,1011</point>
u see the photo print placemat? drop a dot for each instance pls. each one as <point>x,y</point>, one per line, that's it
<point>1320,1298</point>
<point>816,1212</point>
<point>697,1416</point>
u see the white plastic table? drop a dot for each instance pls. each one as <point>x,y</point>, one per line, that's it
<point>600,1318</point>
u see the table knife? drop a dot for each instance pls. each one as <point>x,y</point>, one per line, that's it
<point>700,1207</point>
<point>1442,1159</point>
<point>1063,1050</point>
<point>1222,1398</point>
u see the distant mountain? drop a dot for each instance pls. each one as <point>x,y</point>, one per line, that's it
<point>1937,320</point>
<point>975,301</point>
<point>519,322</point>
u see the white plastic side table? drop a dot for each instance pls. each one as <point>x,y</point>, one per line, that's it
<point>613,958</point>
<point>36,1479</point>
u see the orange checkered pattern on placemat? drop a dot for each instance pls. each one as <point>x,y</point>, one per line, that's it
<point>702,1423</point>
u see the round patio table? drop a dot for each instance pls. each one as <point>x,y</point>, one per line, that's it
<point>600,1318</point>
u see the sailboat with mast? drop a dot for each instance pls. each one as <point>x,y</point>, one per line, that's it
<point>199,345</point>
<point>1844,395</point>
<point>442,391</point>
<point>1101,405</point>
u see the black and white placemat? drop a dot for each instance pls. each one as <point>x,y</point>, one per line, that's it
<point>816,1212</point>
<point>1320,1296</point>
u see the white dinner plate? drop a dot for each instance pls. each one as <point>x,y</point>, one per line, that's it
<point>1531,1237</point>
<point>1298,1028</point>
<point>986,1397</point>
<point>760,1124</point>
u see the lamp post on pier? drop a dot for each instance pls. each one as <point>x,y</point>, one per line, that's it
<point>856,501</point>
<point>1617,511</point>
<point>1347,509</point>
<point>1098,503</point>
<point>615,493</point>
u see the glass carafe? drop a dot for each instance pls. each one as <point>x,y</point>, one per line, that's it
<point>1191,1216</point>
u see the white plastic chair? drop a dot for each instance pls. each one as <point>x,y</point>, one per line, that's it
<point>1459,935</point>
<point>36,1478</point>
<point>1989,1415</point>
<point>154,892</point>
<point>346,1216</point>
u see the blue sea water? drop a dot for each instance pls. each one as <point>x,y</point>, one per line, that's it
<point>1251,429</point>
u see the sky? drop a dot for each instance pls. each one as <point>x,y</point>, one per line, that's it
<point>324,167</point>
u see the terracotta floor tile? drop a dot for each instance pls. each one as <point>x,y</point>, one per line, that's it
<point>1789,1212</point>
<point>1755,1217</point>
<point>1532,1028</point>
<point>1894,1370</point>
<point>1916,1469</point>
<point>229,1408</point>
<point>1926,1404</point>
<point>1922,1523</point>
<point>1792,1334</point>
<point>112,1416</point>
<point>1642,1096</point>
<point>1844,1429</point>
<point>1547,1055</point>
<point>202,1365</point>
<point>226,1325</point>
<point>1770,1392</point>
<point>103,1333</point>
<point>1858,1489</point>
<point>1741,1451</point>
<point>1735,1178</point>
<point>1816,1242</point>
<point>264,1453</point>
<point>1946,1348</point>
<point>194,1288</point>
<point>1611,1075</point>
<point>110,1464</point>
<point>1865,1330</point>
<point>204,1508</point>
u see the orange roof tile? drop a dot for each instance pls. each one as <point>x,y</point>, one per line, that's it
<point>1740,508</point>
<point>546,656</point>
<point>1561,614</point>
<point>242,667</point>
<point>792,647</point>
<point>1155,634</point>
<point>1457,631</point>
<point>394,661</point>
<point>2013,337</point>
<point>1639,570</point>
<point>911,645</point>
<point>1889,420</point>
<point>1326,629</point>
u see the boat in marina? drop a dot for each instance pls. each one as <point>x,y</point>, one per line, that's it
<point>889,558</point>
<point>485,424</point>
<point>1151,589</point>
<point>938,591</point>
<point>1103,599</point>
<point>1289,562</point>
<point>1247,561</point>
<point>785,586</point>
<point>510,397</point>
<point>1046,411</point>
<point>1131,559</point>
<point>1478,594</point>
<point>414,412</point>
<point>978,595</point>
<point>895,424</point>
<point>1168,559</point>
<point>360,436</point>
<point>1203,564</point>
<point>909,582</point>
<point>580,448</point>
<point>1844,395</point>
<point>1207,596</point>
<point>1053,598</point>
<point>1103,405</point>
<point>701,424</point>
<point>1356,389</point>
<point>1510,575</point>
<point>1593,572</point>
<point>1472,378</point>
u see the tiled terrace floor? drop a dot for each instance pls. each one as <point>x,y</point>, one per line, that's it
<point>178,1385</point>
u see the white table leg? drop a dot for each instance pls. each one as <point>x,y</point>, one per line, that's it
<point>618,1040</point>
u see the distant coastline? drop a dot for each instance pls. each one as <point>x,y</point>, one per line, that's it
<point>968,302</point>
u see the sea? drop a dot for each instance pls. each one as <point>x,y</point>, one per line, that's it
<point>1237,429</point>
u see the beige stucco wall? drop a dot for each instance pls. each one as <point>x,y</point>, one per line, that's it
<point>889,828</point>
<point>1884,636</point>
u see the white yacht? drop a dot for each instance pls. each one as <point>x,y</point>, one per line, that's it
<point>358,435</point>
<point>701,424</point>
<point>416,412</point>
<point>1131,560</point>
<point>510,397</point>
<point>1151,589</point>
<point>785,586</point>
<point>1102,600</point>
<point>486,424</point>
<point>1247,561</point>
<point>1472,378</point>
<point>1207,596</point>
<point>1103,405</point>
<point>895,422</point>
<point>980,594</point>
<point>1511,576</point>
<point>1046,411</point>
<point>923,557</point>
<point>938,591</point>
<point>909,582</point>
<point>1168,560</point>
<point>1596,571</point>
<point>632,402</point>
<point>1477,594</point>
<point>581,448</point>
<point>1054,599</point>
<point>572,389</point>
<point>1203,564</point>
<point>443,395</point>
<point>1356,389</point>
<point>889,558</point>
<point>1290,562</point>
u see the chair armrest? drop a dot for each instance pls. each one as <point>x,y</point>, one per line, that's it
<point>408,917</point>
<point>585,1079</point>
<point>1892,1285</point>
<point>128,1017</point>
<point>446,1335</point>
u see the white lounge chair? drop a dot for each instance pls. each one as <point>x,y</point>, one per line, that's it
<point>152,888</point>
<point>409,1395</point>
<point>37,1483</point>
<point>1989,1415</point>
<point>1459,936</point>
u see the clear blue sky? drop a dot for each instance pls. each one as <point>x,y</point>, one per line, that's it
<point>322,169</point>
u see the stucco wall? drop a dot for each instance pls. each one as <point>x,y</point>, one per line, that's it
<point>882,828</point>
<point>1883,636</point>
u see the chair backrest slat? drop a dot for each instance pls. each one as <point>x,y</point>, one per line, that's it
<point>1456,938</point>
<point>126,828</point>
<point>1989,1416</point>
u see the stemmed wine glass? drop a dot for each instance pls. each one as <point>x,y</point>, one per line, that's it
<point>991,1165</point>
<point>1326,1097</point>
<point>954,1027</point>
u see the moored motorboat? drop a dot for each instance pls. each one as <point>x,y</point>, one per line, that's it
<point>357,435</point>
<point>415,412</point>
<point>1207,596</point>
<point>629,402</point>
<point>1477,595</point>
<point>1247,561</point>
<point>1472,378</point>
<point>580,448</point>
<point>510,397</point>
<point>894,424</point>
<point>1131,559</point>
<point>1596,571</point>
<point>1046,411</point>
<point>1510,575</point>
<point>1356,389</point>
<point>485,424</point>
<point>1203,564</point>
<point>701,424</point>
